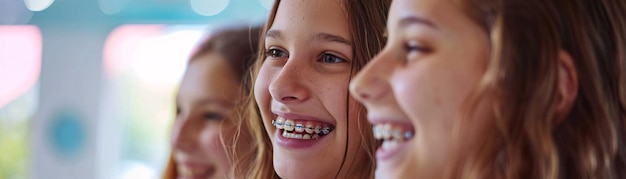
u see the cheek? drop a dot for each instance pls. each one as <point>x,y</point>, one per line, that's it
<point>210,140</point>
<point>175,132</point>
<point>335,98</point>
<point>261,89</point>
<point>416,93</point>
<point>434,91</point>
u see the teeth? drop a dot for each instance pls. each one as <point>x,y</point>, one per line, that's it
<point>377,132</point>
<point>184,171</point>
<point>279,123</point>
<point>317,129</point>
<point>289,125</point>
<point>389,144</point>
<point>299,136</point>
<point>397,134</point>
<point>189,172</point>
<point>408,134</point>
<point>299,128</point>
<point>302,127</point>
<point>325,130</point>
<point>387,132</point>
<point>309,128</point>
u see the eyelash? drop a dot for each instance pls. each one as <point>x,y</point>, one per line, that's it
<point>272,53</point>
<point>210,116</point>
<point>325,56</point>
<point>412,46</point>
<point>276,53</point>
<point>213,116</point>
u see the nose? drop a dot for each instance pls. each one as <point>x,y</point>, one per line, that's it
<point>371,83</point>
<point>184,134</point>
<point>287,86</point>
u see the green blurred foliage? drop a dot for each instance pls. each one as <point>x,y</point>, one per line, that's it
<point>15,134</point>
<point>14,150</point>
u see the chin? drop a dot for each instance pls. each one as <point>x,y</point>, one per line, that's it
<point>302,171</point>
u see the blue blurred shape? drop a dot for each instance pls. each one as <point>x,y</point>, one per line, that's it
<point>67,133</point>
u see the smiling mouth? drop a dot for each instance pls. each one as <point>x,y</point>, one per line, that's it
<point>194,172</point>
<point>302,129</point>
<point>391,135</point>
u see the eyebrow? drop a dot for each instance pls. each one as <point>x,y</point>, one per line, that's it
<point>409,20</point>
<point>206,101</point>
<point>277,34</point>
<point>215,101</point>
<point>325,37</point>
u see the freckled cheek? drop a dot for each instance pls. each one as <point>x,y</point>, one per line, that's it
<point>334,98</point>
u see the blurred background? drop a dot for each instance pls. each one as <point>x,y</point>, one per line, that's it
<point>87,86</point>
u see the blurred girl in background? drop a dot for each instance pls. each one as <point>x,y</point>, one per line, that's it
<point>209,103</point>
<point>500,89</point>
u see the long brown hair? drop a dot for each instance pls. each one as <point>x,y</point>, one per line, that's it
<point>522,75</point>
<point>238,45</point>
<point>367,20</point>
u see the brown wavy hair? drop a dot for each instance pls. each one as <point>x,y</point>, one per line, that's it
<point>522,75</point>
<point>367,21</point>
<point>238,46</point>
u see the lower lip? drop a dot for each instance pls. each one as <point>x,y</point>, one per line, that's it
<point>386,154</point>
<point>296,143</point>
<point>210,170</point>
<point>204,175</point>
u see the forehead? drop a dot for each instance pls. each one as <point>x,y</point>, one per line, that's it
<point>307,17</point>
<point>443,13</point>
<point>209,76</point>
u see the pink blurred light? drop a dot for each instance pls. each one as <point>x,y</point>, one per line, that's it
<point>122,43</point>
<point>20,60</point>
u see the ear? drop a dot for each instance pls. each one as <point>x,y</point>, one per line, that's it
<point>567,86</point>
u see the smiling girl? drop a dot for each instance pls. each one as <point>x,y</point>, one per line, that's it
<point>309,126</point>
<point>208,106</point>
<point>500,89</point>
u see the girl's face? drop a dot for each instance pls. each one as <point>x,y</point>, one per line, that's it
<point>415,89</point>
<point>302,89</point>
<point>205,112</point>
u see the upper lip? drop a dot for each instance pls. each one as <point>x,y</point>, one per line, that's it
<point>295,116</point>
<point>377,119</point>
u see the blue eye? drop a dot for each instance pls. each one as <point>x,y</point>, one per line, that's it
<point>275,53</point>
<point>213,116</point>
<point>330,58</point>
